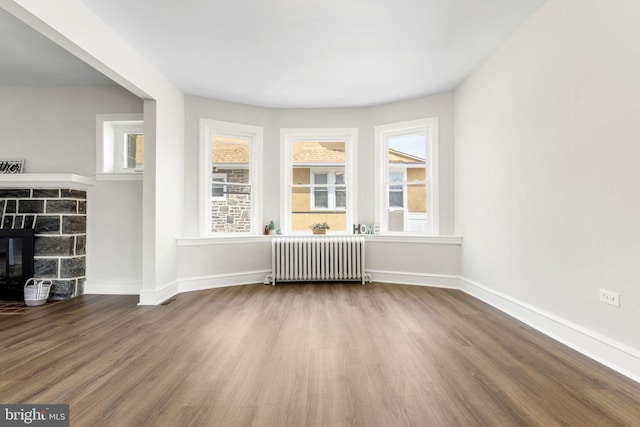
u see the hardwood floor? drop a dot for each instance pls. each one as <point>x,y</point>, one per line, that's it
<point>304,355</point>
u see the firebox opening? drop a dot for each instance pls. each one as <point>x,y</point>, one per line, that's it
<point>16,262</point>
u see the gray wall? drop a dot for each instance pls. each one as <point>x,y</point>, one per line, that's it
<point>547,169</point>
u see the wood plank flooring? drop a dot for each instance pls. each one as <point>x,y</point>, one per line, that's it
<point>304,355</point>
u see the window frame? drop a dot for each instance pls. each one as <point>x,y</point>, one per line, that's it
<point>110,143</point>
<point>209,128</point>
<point>428,126</point>
<point>350,138</point>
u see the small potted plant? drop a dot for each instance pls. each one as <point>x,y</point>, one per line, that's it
<point>319,227</point>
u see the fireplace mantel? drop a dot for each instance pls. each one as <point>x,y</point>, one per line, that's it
<point>46,180</point>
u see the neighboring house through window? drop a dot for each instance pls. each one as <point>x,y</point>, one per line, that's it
<point>318,179</point>
<point>230,154</point>
<point>406,170</point>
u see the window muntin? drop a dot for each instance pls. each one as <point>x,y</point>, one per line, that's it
<point>407,193</point>
<point>318,179</point>
<point>231,154</point>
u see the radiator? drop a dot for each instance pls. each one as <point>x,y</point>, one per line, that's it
<point>296,259</point>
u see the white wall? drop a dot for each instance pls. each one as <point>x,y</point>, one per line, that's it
<point>202,264</point>
<point>54,129</point>
<point>547,169</point>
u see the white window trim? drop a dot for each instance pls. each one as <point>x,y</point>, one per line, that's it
<point>430,127</point>
<point>208,128</point>
<point>109,151</point>
<point>290,135</point>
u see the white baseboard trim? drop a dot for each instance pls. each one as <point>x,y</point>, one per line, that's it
<point>611,353</point>
<point>221,280</point>
<point>159,295</point>
<point>112,288</point>
<point>420,279</point>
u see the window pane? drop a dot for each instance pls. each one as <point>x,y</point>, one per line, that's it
<point>134,151</point>
<point>320,178</point>
<point>417,198</point>
<point>320,194</point>
<point>413,217</point>
<point>396,197</point>
<point>231,155</point>
<point>231,202</point>
<point>406,156</point>
<point>232,214</point>
<point>321,199</point>
<point>407,149</point>
<point>318,153</point>
<point>341,197</point>
<point>319,191</point>
<point>218,190</point>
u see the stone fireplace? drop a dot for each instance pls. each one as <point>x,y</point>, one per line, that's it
<point>55,207</point>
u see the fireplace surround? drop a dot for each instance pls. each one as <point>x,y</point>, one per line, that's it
<point>54,206</point>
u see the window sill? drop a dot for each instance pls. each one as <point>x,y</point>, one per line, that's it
<point>222,240</point>
<point>126,176</point>
<point>434,240</point>
<point>374,238</point>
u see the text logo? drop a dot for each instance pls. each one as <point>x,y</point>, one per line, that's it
<point>34,415</point>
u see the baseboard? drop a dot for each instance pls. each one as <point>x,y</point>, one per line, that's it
<point>419,279</point>
<point>221,280</point>
<point>158,295</point>
<point>112,288</point>
<point>611,353</point>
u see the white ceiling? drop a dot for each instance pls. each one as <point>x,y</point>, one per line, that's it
<point>30,59</point>
<point>302,53</point>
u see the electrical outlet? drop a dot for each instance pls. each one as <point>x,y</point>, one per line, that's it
<point>610,297</point>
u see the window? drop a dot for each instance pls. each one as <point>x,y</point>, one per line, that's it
<point>407,171</point>
<point>318,179</point>
<point>230,178</point>
<point>396,189</point>
<point>120,146</point>
<point>218,191</point>
<point>328,190</point>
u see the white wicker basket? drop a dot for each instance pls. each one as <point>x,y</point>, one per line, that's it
<point>36,293</point>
